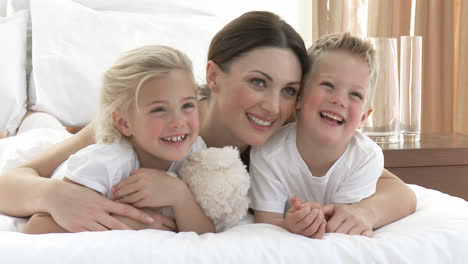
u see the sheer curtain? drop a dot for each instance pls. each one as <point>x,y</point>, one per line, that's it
<point>444,27</point>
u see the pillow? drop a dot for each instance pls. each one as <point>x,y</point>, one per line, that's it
<point>74,44</point>
<point>139,6</point>
<point>3,7</point>
<point>13,72</point>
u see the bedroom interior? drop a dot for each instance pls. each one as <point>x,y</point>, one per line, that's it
<point>52,54</point>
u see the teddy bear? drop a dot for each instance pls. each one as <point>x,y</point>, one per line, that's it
<point>219,181</point>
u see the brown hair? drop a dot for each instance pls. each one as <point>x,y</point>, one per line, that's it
<point>250,31</point>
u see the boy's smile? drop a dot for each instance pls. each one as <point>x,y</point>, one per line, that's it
<point>331,107</point>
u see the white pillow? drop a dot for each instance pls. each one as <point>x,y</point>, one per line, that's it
<point>176,7</point>
<point>73,45</point>
<point>206,7</point>
<point>3,7</point>
<point>12,71</point>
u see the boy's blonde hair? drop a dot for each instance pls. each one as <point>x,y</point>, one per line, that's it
<point>122,82</point>
<point>355,45</point>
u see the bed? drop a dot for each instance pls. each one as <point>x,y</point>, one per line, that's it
<point>74,41</point>
<point>436,233</point>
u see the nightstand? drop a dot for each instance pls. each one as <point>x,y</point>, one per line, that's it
<point>438,161</point>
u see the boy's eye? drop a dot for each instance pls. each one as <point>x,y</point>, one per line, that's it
<point>258,82</point>
<point>188,105</point>
<point>328,84</point>
<point>357,95</point>
<point>290,91</point>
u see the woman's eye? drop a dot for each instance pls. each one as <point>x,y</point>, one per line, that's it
<point>258,82</point>
<point>290,91</point>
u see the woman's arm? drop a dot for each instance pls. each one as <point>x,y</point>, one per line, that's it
<point>392,201</point>
<point>23,193</point>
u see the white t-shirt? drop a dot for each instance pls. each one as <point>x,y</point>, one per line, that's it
<point>101,166</point>
<point>279,173</point>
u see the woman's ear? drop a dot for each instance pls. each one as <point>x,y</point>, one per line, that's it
<point>121,123</point>
<point>213,72</point>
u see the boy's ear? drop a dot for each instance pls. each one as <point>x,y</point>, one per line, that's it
<point>299,98</point>
<point>121,123</point>
<point>212,74</point>
<point>365,115</point>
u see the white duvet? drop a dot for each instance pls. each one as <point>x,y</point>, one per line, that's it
<point>436,233</point>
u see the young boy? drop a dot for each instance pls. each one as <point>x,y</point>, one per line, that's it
<point>322,158</point>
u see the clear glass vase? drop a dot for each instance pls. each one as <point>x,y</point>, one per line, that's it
<point>410,87</point>
<point>383,125</point>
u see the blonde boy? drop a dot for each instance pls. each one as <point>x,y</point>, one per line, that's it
<point>322,158</point>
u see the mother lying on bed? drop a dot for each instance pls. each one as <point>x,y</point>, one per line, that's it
<point>254,71</point>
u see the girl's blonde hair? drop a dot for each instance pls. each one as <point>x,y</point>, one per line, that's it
<point>122,82</point>
<point>355,45</point>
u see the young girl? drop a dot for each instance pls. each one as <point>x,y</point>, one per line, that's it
<point>147,119</point>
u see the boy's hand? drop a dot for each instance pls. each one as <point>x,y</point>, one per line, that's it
<point>305,218</point>
<point>148,188</point>
<point>346,219</point>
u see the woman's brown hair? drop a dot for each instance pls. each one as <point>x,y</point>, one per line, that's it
<point>250,31</point>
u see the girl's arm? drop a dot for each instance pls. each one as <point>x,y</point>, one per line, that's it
<point>154,188</point>
<point>392,201</point>
<point>23,193</point>
<point>188,214</point>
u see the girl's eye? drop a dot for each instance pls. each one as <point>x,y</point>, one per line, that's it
<point>157,110</point>
<point>258,82</point>
<point>290,91</point>
<point>357,95</point>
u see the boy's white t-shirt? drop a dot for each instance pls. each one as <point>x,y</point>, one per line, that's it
<point>279,173</point>
<point>101,166</point>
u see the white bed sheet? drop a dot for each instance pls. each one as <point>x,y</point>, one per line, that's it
<point>436,233</point>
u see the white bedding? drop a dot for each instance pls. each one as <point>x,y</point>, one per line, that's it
<point>436,233</point>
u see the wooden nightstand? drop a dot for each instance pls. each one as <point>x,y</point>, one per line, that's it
<point>438,161</point>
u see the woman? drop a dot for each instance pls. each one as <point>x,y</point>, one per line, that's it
<point>254,70</point>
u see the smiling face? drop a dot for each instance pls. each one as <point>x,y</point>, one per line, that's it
<point>331,107</point>
<point>165,125</point>
<point>257,94</point>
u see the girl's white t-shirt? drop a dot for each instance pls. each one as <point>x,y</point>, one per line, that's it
<point>101,166</point>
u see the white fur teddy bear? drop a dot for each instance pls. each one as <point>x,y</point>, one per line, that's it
<point>219,182</point>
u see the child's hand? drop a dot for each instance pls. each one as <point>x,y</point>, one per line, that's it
<point>346,219</point>
<point>305,218</point>
<point>148,188</point>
